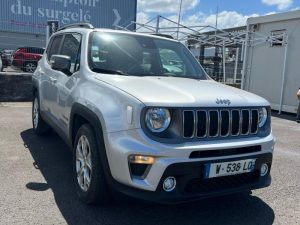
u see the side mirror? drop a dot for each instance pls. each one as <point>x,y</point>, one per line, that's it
<point>61,63</point>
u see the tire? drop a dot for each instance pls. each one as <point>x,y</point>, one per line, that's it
<point>29,67</point>
<point>40,127</point>
<point>91,185</point>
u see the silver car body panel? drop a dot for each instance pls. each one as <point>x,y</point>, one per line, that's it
<point>122,144</point>
<point>109,96</point>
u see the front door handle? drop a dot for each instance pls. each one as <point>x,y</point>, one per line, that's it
<point>53,80</point>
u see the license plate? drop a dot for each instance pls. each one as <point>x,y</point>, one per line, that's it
<point>228,168</point>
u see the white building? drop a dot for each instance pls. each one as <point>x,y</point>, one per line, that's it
<point>272,59</point>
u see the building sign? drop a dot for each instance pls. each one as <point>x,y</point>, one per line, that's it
<point>32,15</point>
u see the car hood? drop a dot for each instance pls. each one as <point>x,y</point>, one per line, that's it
<point>182,92</point>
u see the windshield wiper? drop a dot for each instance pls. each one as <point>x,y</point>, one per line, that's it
<point>100,70</point>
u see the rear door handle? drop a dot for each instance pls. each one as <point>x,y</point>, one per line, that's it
<point>53,80</point>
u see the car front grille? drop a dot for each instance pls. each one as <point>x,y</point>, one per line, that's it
<point>219,123</point>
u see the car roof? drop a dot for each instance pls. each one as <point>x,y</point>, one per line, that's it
<point>156,36</point>
<point>106,30</point>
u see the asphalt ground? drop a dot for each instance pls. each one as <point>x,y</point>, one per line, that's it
<point>36,185</point>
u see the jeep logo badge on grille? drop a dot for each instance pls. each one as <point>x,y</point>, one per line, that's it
<point>223,101</point>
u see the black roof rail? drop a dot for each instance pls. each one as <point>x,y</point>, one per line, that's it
<point>163,35</point>
<point>78,25</point>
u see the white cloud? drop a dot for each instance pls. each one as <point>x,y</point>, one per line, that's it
<point>281,4</point>
<point>226,19</point>
<point>166,6</point>
<point>152,7</point>
<point>297,8</point>
<point>142,17</point>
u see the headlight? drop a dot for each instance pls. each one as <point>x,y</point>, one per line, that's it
<point>262,116</point>
<point>157,119</point>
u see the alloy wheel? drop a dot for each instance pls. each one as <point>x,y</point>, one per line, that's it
<point>30,67</point>
<point>83,163</point>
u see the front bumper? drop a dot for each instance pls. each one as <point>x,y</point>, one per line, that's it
<point>174,160</point>
<point>191,185</point>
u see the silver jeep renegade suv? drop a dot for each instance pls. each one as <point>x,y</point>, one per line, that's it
<point>143,118</point>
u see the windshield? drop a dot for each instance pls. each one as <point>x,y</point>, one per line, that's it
<point>128,54</point>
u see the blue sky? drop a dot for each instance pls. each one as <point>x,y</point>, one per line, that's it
<point>231,12</point>
<point>241,6</point>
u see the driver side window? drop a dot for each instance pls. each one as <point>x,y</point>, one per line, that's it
<point>71,47</point>
<point>53,48</point>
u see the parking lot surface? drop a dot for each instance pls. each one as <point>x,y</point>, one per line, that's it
<point>12,69</point>
<point>36,185</point>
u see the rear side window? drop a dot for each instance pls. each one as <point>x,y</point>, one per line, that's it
<point>39,51</point>
<point>71,48</point>
<point>53,49</point>
<point>29,50</point>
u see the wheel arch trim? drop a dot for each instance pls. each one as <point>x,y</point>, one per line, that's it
<point>88,115</point>
<point>99,129</point>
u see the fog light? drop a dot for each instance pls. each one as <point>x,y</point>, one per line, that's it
<point>169,184</point>
<point>264,169</point>
<point>141,159</point>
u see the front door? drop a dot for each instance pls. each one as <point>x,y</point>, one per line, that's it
<point>48,88</point>
<point>67,82</point>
